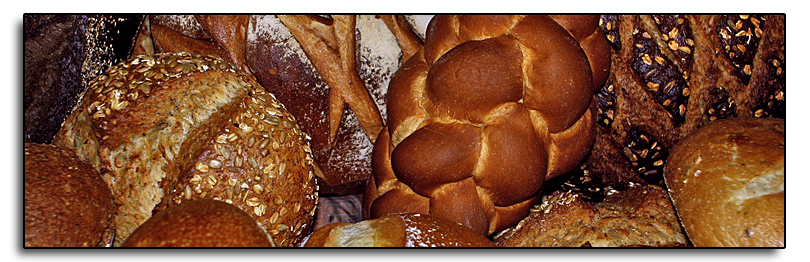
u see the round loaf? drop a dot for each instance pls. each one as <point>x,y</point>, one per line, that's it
<point>727,182</point>
<point>478,119</point>
<point>200,223</point>
<point>67,204</point>
<point>397,230</point>
<point>172,127</point>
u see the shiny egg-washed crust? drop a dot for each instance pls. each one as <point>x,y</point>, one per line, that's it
<point>171,127</point>
<point>489,109</point>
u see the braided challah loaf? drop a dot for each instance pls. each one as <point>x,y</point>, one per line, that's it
<point>488,110</point>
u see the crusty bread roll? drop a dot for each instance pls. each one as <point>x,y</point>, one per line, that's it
<point>640,216</point>
<point>200,223</point>
<point>478,119</point>
<point>727,182</point>
<point>397,230</point>
<point>172,127</point>
<point>67,204</point>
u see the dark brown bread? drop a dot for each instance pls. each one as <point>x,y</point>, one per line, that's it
<point>671,74</point>
<point>200,223</point>
<point>67,204</point>
<point>173,127</point>
<point>397,230</point>
<point>727,181</point>
<point>478,119</point>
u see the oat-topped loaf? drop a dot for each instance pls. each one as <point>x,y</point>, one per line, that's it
<point>167,128</point>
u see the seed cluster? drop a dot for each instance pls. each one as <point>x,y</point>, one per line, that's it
<point>661,77</point>
<point>141,74</point>
<point>646,155</point>
<point>249,164</point>
<point>579,181</point>
<point>610,27</point>
<point>739,37</point>
<point>721,105</point>
<point>773,101</point>
<point>677,33</point>
<point>606,104</point>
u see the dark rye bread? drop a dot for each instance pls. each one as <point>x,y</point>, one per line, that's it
<point>67,204</point>
<point>172,127</point>
<point>62,53</point>
<point>670,75</point>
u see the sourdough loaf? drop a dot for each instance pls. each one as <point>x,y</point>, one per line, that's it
<point>172,127</point>
<point>483,114</point>
<point>727,182</point>
<point>67,204</point>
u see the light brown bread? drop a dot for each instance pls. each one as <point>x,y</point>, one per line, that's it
<point>727,181</point>
<point>172,127</point>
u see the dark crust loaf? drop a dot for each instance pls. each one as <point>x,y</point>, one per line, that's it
<point>171,127</point>
<point>670,75</point>
<point>641,216</point>
<point>727,182</point>
<point>200,223</point>
<point>62,54</point>
<point>67,204</point>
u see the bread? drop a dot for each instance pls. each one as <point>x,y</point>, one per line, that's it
<point>67,204</point>
<point>478,119</point>
<point>167,128</point>
<point>640,216</point>
<point>62,53</point>
<point>670,75</point>
<point>200,223</point>
<point>335,93</point>
<point>727,182</point>
<point>397,230</point>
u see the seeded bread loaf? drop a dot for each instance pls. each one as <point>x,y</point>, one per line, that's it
<point>670,75</point>
<point>397,230</point>
<point>640,216</point>
<point>67,204</point>
<point>200,223</point>
<point>727,182</point>
<point>167,128</point>
<point>478,119</point>
<point>334,88</point>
